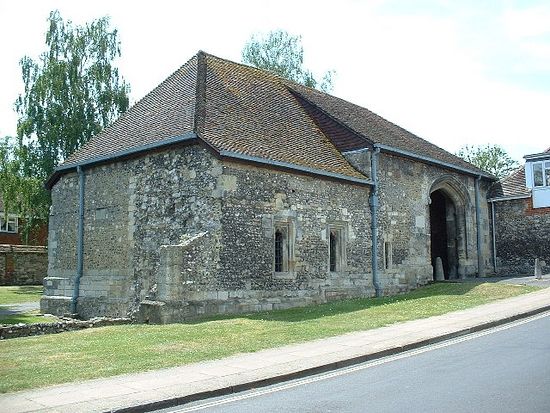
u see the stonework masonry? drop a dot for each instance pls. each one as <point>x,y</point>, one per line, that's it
<point>404,222</point>
<point>178,234</point>
<point>22,264</point>
<point>522,235</point>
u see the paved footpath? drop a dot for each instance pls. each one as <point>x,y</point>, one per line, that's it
<point>162,388</point>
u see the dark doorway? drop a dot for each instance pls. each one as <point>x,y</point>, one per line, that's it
<point>438,230</point>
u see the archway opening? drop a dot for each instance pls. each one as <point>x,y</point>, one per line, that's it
<point>444,233</point>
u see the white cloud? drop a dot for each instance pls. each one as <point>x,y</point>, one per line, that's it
<point>528,22</point>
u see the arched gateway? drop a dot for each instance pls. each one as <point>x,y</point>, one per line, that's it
<point>448,230</point>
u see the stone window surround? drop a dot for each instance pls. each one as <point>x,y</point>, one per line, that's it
<point>11,225</point>
<point>388,255</point>
<point>337,230</point>
<point>286,227</point>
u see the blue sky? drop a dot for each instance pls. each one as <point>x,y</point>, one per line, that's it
<point>453,72</point>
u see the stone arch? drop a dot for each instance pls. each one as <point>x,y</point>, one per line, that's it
<point>448,205</point>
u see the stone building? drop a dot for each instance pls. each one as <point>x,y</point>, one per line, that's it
<point>520,207</point>
<point>229,189</point>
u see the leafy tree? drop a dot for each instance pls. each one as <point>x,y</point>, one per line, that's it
<point>21,193</point>
<point>490,158</point>
<point>283,54</point>
<point>71,93</point>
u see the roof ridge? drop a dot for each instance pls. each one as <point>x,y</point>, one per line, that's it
<point>387,121</point>
<point>377,118</point>
<point>250,67</point>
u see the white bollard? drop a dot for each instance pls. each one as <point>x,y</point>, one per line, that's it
<point>538,269</point>
<point>439,274</point>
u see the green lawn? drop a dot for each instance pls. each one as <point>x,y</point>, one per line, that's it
<point>30,317</point>
<point>20,294</point>
<point>100,352</point>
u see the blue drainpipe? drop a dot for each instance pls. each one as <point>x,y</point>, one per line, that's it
<point>478,228</point>
<point>80,239</point>
<point>374,221</point>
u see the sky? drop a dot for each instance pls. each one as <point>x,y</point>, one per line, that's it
<point>456,73</point>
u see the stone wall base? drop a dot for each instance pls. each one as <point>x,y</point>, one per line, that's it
<point>164,312</point>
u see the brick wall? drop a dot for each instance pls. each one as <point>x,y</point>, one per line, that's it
<point>22,264</point>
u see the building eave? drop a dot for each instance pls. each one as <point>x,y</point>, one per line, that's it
<point>187,137</point>
<point>427,159</point>
<point>295,168</point>
<point>508,198</point>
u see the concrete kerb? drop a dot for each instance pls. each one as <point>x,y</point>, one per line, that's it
<point>224,391</point>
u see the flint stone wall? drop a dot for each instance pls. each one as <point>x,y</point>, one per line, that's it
<point>252,202</point>
<point>178,234</point>
<point>132,208</point>
<point>404,221</point>
<point>23,264</point>
<point>38,329</point>
<point>522,234</point>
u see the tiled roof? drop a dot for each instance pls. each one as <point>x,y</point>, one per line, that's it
<point>238,109</point>
<point>165,112</point>
<point>510,186</point>
<point>377,129</point>
<point>250,111</point>
<point>513,185</point>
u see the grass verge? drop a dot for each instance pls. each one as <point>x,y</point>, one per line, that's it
<point>20,294</point>
<point>101,352</point>
<point>30,317</point>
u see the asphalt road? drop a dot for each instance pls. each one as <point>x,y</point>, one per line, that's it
<point>502,370</point>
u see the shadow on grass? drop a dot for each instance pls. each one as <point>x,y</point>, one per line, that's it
<point>30,289</point>
<point>312,312</point>
<point>23,318</point>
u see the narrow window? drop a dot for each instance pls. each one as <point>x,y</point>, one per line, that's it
<point>388,255</point>
<point>333,250</point>
<point>283,249</point>
<point>547,172</point>
<point>537,174</point>
<point>336,248</point>
<point>279,259</point>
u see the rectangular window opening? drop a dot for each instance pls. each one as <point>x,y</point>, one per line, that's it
<point>282,247</point>
<point>279,250</point>
<point>538,175</point>
<point>333,242</point>
<point>336,249</point>
<point>388,255</point>
<point>10,224</point>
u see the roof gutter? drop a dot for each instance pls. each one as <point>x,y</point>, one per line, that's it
<point>412,155</point>
<point>509,198</point>
<point>294,167</point>
<point>186,137</point>
<point>536,156</point>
